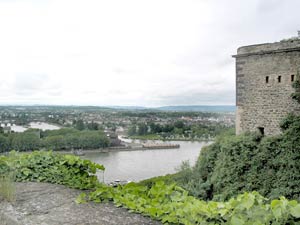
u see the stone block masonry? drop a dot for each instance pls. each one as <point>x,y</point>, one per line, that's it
<point>264,76</point>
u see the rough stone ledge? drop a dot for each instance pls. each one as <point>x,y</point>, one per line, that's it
<point>50,204</point>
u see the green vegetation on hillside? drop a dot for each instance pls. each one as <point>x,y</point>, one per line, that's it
<point>249,162</point>
<point>46,166</point>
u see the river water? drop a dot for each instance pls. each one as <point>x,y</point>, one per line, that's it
<point>143,164</point>
<point>38,125</point>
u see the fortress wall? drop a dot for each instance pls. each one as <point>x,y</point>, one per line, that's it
<point>262,103</point>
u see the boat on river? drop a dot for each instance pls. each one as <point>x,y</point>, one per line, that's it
<point>118,182</point>
<point>78,152</point>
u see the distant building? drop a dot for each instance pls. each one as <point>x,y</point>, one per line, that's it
<point>6,130</point>
<point>264,77</point>
<point>114,139</point>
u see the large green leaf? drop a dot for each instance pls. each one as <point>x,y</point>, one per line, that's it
<point>295,211</point>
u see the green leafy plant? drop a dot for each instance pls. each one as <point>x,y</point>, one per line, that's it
<point>81,198</point>
<point>46,166</point>
<point>7,176</point>
<point>172,205</point>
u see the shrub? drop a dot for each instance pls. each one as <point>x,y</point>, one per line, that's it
<point>7,176</point>
<point>4,144</point>
<point>42,166</point>
<point>249,162</point>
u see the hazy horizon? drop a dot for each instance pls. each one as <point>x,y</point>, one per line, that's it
<point>131,53</point>
<point>108,106</point>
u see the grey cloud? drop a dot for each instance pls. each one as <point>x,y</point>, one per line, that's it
<point>88,92</point>
<point>272,5</point>
<point>203,93</point>
<point>204,73</point>
<point>198,98</point>
<point>30,84</point>
<point>118,70</point>
<point>54,92</point>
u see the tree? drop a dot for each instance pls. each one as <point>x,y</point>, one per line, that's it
<point>55,142</point>
<point>132,130</point>
<point>25,142</point>
<point>155,128</point>
<point>93,126</point>
<point>80,125</point>
<point>179,124</point>
<point>142,129</point>
<point>4,144</point>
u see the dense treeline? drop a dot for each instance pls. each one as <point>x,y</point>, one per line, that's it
<point>62,139</point>
<point>249,162</point>
<point>179,129</point>
<point>81,125</point>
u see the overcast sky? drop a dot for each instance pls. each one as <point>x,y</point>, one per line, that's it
<point>132,52</point>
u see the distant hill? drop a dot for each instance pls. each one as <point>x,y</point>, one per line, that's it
<point>199,108</point>
<point>128,107</point>
<point>186,108</point>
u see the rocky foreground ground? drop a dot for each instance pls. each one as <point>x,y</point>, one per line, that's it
<point>50,204</point>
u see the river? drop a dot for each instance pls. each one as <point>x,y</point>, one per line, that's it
<point>38,125</point>
<point>143,164</point>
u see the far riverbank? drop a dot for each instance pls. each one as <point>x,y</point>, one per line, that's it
<point>159,138</point>
<point>113,149</point>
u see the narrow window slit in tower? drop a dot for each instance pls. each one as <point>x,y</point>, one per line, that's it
<point>279,79</point>
<point>267,79</point>
<point>292,78</point>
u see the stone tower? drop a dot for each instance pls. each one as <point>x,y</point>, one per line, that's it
<point>264,76</point>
